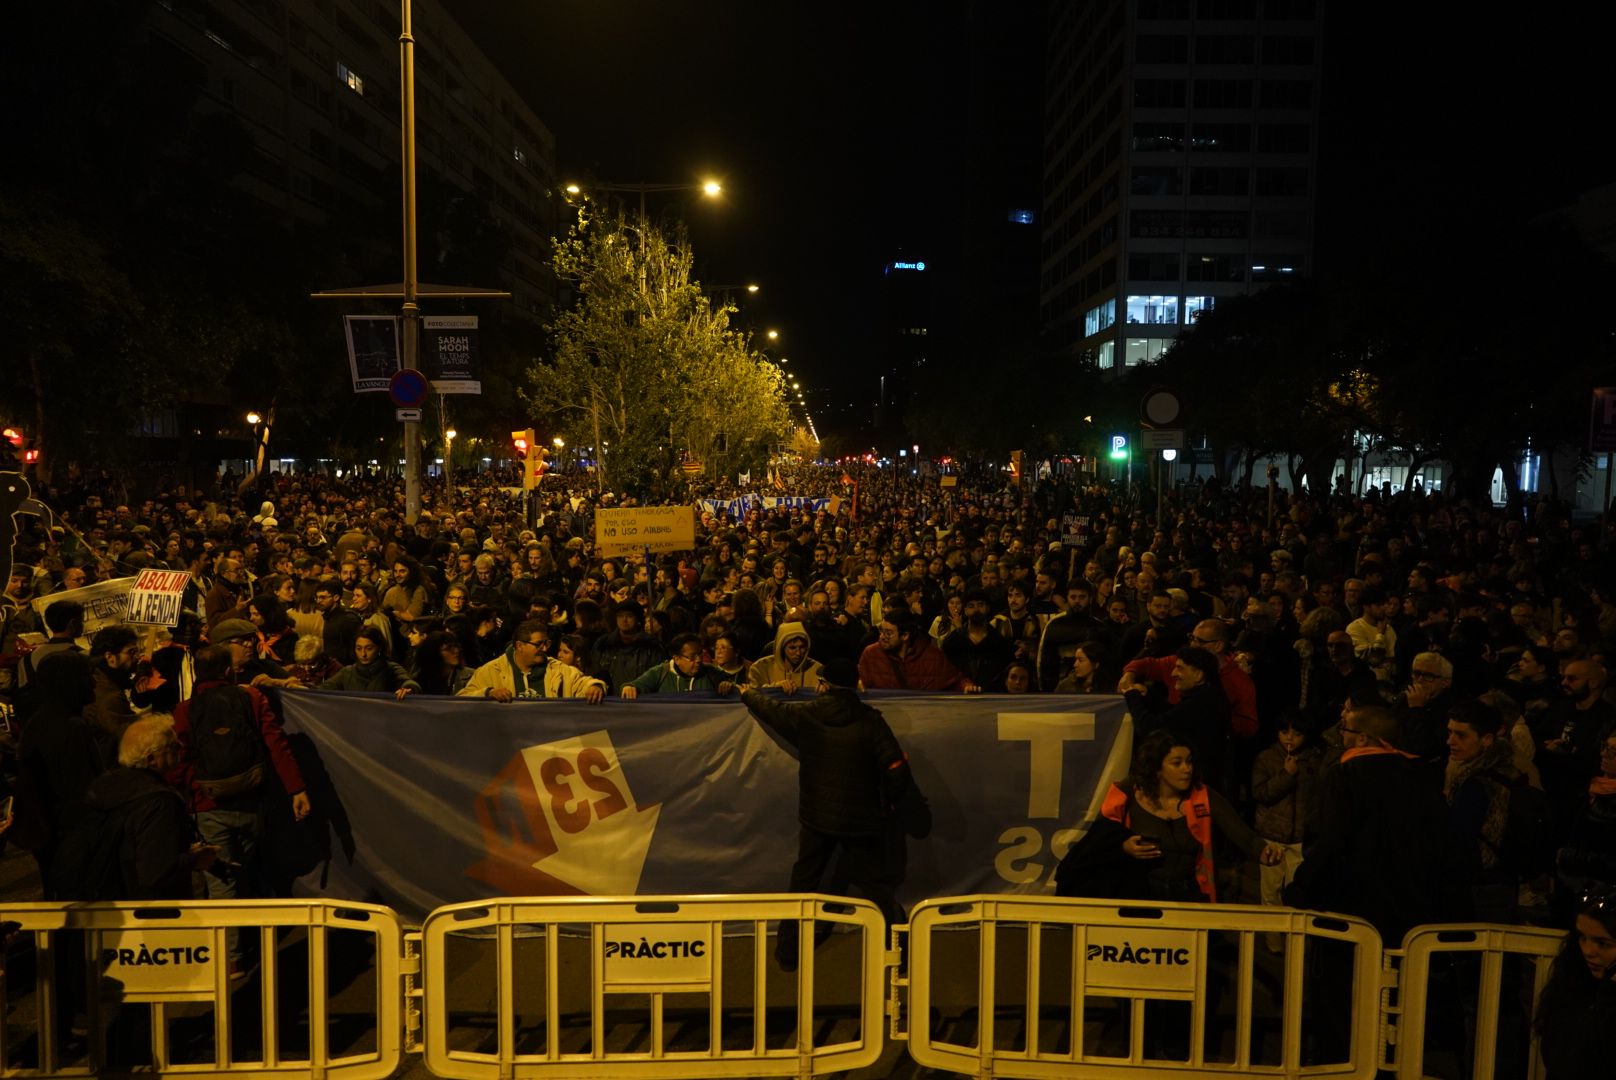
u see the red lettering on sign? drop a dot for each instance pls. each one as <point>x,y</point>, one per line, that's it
<point>592,765</point>
<point>570,812</point>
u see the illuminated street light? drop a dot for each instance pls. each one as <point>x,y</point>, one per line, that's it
<point>559,442</point>
<point>710,188</point>
<point>254,419</point>
<point>773,335</point>
<point>451,435</point>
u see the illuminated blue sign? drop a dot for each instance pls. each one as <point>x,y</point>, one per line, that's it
<point>908,266</point>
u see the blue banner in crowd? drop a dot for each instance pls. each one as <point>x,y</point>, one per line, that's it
<point>742,505</point>
<point>451,800</point>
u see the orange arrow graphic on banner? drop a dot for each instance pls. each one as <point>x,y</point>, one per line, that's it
<point>560,819</point>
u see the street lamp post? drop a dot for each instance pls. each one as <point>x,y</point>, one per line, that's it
<point>408,290</point>
<point>260,426</point>
<point>448,453</point>
<point>710,188</point>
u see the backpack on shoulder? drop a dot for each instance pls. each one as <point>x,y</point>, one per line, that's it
<point>227,751</point>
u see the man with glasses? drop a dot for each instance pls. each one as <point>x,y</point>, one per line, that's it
<point>523,671</point>
<point>247,667</point>
<point>903,658</point>
<point>1423,711</point>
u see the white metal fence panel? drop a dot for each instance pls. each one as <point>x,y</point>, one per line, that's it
<point>1466,994</point>
<point>127,986</point>
<point>651,987</point>
<point>1067,988</point>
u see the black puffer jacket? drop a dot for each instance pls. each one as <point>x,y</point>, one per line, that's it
<point>851,770</point>
<point>154,831</point>
<point>620,662</point>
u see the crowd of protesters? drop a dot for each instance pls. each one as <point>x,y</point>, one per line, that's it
<point>1398,701</point>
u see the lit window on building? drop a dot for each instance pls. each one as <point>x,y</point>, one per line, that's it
<point>1153,310</point>
<point>1105,357</point>
<point>1141,351</point>
<point>1196,306</point>
<point>1022,217</point>
<point>352,78</point>
<point>1100,317</point>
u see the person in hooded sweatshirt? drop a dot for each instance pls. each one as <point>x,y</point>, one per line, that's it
<point>372,670</point>
<point>684,673</point>
<point>789,668</point>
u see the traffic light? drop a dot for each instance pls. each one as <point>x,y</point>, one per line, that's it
<point>19,445</point>
<point>522,441</point>
<point>541,461</point>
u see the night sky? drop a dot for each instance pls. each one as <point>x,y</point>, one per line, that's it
<point>829,131</point>
<point>836,129</point>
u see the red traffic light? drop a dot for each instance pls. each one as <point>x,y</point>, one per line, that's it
<point>14,436</point>
<point>30,457</point>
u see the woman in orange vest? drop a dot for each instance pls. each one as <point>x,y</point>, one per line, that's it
<point>1170,816</point>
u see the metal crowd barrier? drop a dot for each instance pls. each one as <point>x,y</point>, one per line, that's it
<point>1067,988</point>
<point>687,987</point>
<point>1490,997</point>
<point>141,987</point>
<point>674,987</point>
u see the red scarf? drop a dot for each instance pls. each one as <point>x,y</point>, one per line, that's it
<point>1197,808</point>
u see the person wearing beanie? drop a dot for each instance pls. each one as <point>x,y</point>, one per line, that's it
<point>851,774</point>
<point>789,668</point>
<point>627,652</point>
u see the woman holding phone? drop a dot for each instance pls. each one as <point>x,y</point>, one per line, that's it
<point>1169,822</point>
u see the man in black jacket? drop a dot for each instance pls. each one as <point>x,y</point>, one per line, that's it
<point>134,815</point>
<point>851,774</point>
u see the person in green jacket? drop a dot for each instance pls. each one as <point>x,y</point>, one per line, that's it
<point>373,671</point>
<point>685,672</point>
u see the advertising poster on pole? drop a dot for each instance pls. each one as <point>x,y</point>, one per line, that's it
<point>372,351</point>
<point>449,353</point>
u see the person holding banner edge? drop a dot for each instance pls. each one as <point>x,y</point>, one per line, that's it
<point>852,774</point>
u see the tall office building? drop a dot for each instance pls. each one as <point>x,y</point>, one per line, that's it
<point>316,85</point>
<point>1180,144</point>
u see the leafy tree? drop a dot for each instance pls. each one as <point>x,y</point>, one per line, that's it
<point>644,369</point>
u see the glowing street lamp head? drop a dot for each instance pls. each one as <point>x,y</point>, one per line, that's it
<point>752,288</point>
<point>774,335</point>
<point>253,418</point>
<point>451,434</point>
<point>559,442</point>
<point>574,189</point>
<point>712,189</point>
